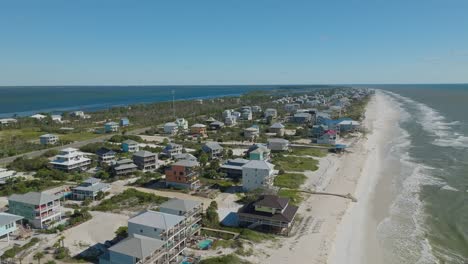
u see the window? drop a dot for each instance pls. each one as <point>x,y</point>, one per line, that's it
<point>141,230</point>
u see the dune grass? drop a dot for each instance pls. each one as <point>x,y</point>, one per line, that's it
<point>290,180</point>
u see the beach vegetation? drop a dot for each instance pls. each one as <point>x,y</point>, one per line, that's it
<point>290,163</point>
<point>226,259</point>
<point>130,199</point>
<point>315,152</point>
<point>290,180</point>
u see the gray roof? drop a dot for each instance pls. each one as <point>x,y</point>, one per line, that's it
<point>138,246</point>
<point>92,180</point>
<point>130,142</point>
<point>302,115</point>
<point>124,161</point>
<point>277,125</point>
<point>34,198</point>
<point>212,145</point>
<point>144,154</point>
<point>180,205</point>
<point>158,220</point>
<point>185,156</point>
<point>278,140</point>
<point>94,188</point>
<point>259,164</point>
<point>186,163</point>
<point>6,218</point>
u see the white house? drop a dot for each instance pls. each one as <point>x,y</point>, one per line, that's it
<point>257,174</point>
<point>48,139</point>
<point>70,159</point>
<point>38,116</point>
<point>182,124</point>
<point>278,144</point>
<point>170,128</point>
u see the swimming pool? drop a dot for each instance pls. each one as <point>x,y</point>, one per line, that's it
<point>205,244</point>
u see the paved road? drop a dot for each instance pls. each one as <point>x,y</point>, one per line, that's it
<point>76,144</point>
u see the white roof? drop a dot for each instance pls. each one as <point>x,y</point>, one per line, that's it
<point>349,122</point>
<point>158,220</point>
<point>259,164</point>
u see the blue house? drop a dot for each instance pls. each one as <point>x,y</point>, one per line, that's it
<point>318,130</point>
<point>111,127</point>
<point>124,122</point>
<point>130,146</point>
<point>8,224</point>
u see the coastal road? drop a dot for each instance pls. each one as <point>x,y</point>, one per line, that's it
<point>76,144</point>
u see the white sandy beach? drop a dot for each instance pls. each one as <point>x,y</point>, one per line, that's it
<point>333,229</point>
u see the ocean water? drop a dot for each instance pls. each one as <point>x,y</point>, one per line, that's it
<point>23,101</point>
<point>427,221</point>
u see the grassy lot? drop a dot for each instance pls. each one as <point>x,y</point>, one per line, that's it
<point>78,136</point>
<point>290,163</point>
<point>295,196</point>
<point>26,133</point>
<point>290,180</point>
<point>130,199</point>
<point>309,152</point>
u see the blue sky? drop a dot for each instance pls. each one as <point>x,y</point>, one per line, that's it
<point>233,42</point>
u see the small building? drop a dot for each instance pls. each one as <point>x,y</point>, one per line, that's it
<point>145,160</point>
<point>124,122</point>
<point>172,149</point>
<point>183,174</point>
<point>185,156</point>
<point>210,120</point>
<point>71,159</point>
<point>182,124</point>
<point>111,127</point>
<point>349,125</point>
<point>198,129</point>
<point>329,137</point>
<point>318,130</point>
<point>79,114</point>
<point>6,174</point>
<point>8,121</point>
<point>8,224</point>
<point>56,118</point>
<point>302,118</point>
<point>106,156</point>
<point>170,128</point>
<point>38,116</point>
<point>257,174</point>
<point>247,115</point>
<point>216,125</point>
<point>271,112</point>
<point>48,139</point>
<point>124,167</point>
<point>130,146</point>
<point>186,208</point>
<point>251,132</point>
<point>259,151</point>
<point>278,129</point>
<point>227,113</point>
<point>213,149</point>
<point>278,144</point>
<point>233,168</point>
<point>236,114</point>
<point>256,109</point>
<point>37,208</point>
<point>291,108</point>
<point>270,213</point>
<point>89,189</point>
<point>230,120</point>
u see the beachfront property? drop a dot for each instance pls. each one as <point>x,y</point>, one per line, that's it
<point>37,208</point>
<point>106,156</point>
<point>71,159</point>
<point>302,118</point>
<point>233,168</point>
<point>8,224</point>
<point>124,122</point>
<point>278,144</point>
<point>124,167</point>
<point>251,133</point>
<point>270,112</point>
<point>130,146</point>
<point>213,149</point>
<point>89,189</point>
<point>278,129</point>
<point>6,174</point>
<point>145,160</point>
<point>170,128</point>
<point>48,139</point>
<point>198,129</point>
<point>111,127</point>
<point>182,124</point>
<point>349,126</point>
<point>269,213</point>
<point>318,130</point>
<point>257,174</point>
<point>183,174</point>
<point>329,137</point>
<point>158,237</point>
<point>8,121</point>
<point>216,125</point>
<point>258,151</point>
<point>172,149</point>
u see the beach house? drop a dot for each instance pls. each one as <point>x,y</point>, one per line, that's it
<point>106,156</point>
<point>89,189</point>
<point>37,208</point>
<point>48,139</point>
<point>269,213</point>
<point>256,109</point>
<point>198,130</point>
<point>124,122</point>
<point>130,146</point>
<point>302,118</point>
<point>182,124</point>
<point>278,129</point>
<point>349,125</point>
<point>79,114</point>
<point>124,167</point>
<point>8,225</point>
<point>183,174</point>
<point>329,137</point>
<point>6,174</point>
<point>257,174</point>
<point>145,160</point>
<point>246,115</point>
<point>8,121</point>
<point>213,149</point>
<point>172,149</point>
<point>230,120</point>
<point>38,116</point>
<point>185,156</point>
<point>71,159</point>
<point>111,127</point>
<point>233,168</point>
<point>291,108</point>
<point>318,130</point>
<point>278,144</point>
<point>170,128</point>
<point>258,151</point>
<point>251,133</point>
<point>216,125</point>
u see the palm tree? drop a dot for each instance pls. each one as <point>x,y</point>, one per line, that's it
<point>38,256</point>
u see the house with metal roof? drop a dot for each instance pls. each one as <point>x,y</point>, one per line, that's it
<point>89,189</point>
<point>183,174</point>
<point>269,213</point>
<point>278,129</point>
<point>37,208</point>
<point>124,167</point>
<point>186,208</point>
<point>172,149</point>
<point>70,159</point>
<point>278,144</point>
<point>257,174</point>
<point>48,139</point>
<point>233,168</point>
<point>258,151</point>
<point>145,160</point>
<point>111,127</point>
<point>130,146</point>
<point>106,156</point>
<point>213,149</point>
<point>8,224</point>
